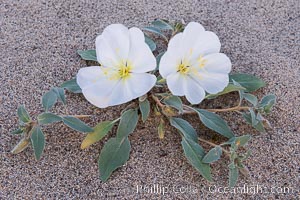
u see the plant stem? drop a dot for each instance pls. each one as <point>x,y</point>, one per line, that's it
<point>229,109</point>
<point>157,101</point>
<point>81,116</point>
<point>214,145</point>
<point>235,108</point>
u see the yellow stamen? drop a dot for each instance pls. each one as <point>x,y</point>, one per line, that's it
<point>184,69</point>
<point>124,71</point>
<point>201,61</point>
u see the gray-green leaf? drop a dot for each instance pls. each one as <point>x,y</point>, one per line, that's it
<point>127,123</point>
<point>214,122</point>
<point>233,176</point>
<point>251,119</point>
<point>150,43</point>
<point>113,155</point>
<point>250,82</point>
<point>145,109</point>
<point>185,128</point>
<point>242,140</point>
<point>158,57</point>
<point>49,99</point>
<point>38,142</point>
<point>155,31</point>
<point>76,124</point>
<point>194,153</point>
<point>175,102</point>
<point>228,89</point>
<point>48,118</point>
<point>23,114</point>
<point>162,24</point>
<point>72,86</point>
<point>17,131</point>
<point>213,155</point>
<point>250,97</point>
<point>60,93</point>
<point>88,54</point>
<point>267,102</point>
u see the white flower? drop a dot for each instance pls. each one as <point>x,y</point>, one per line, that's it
<point>125,58</point>
<point>193,64</point>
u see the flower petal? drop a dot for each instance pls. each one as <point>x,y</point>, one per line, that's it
<point>106,56</point>
<point>176,83</point>
<point>168,64</point>
<point>104,94</point>
<point>217,63</point>
<point>140,84</point>
<point>89,75</point>
<point>113,44</point>
<point>205,43</point>
<point>120,94</point>
<point>213,82</point>
<point>140,55</point>
<point>190,34</point>
<point>193,91</point>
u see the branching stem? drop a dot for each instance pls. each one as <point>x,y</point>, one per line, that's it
<point>214,145</point>
<point>157,101</point>
<point>81,116</point>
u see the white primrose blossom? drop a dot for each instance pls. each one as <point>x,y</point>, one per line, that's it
<point>192,64</point>
<point>124,58</point>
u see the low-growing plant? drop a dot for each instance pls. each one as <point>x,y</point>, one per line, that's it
<point>191,66</point>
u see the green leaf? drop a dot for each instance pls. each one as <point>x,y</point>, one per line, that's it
<point>179,27</point>
<point>76,124</point>
<point>88,54</point>
<point>242,140</point>
<point>228,89</point>
<point>38,142</point>
<point>17,131</point>
<point>150,43</point>
<point>185,128</point>
<point>60,93</point>
<point>162,24</point>
<point>251,98</point>
<point>100,130</point>
<point>23,114</point>
<point>250,82</point>
<point>267,102</point>
<point>158,57</point>
<point>128,123</point>
<point>21,146</point>
<point>233,176</point>
<point>214,122</point>
<point>175,102</point>
<point>48,100</point>
<point>253,121</point>
<point>155,31</point>
<point>113,155</point>
<point>48,118</point>
<point>194,153</point>
<point>213,155</point>
<point>72,86</point>
<point>145,109</point>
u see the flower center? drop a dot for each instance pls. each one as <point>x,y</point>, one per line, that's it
<point>184,69</point>
<point>124,71</point>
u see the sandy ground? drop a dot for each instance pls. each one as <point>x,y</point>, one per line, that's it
<point>38,41</point>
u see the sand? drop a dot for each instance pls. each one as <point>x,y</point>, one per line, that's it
<point>38,41</point>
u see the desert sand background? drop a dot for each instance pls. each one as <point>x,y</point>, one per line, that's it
<point>38,43</point>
